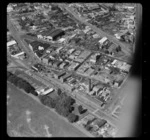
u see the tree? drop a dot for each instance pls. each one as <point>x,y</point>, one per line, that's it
<point>59,91</point>
<point>88,127</point>
<point>14,79</point>
<point>80,109</point>
<point>59,108</point>
<point>21,83</point>
<point>71,109</point>
<point>34,93</point>
<point>72,117</point>
<point>52,103</point>
<point>44,99</point>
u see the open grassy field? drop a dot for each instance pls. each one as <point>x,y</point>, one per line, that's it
<point>27,118</point>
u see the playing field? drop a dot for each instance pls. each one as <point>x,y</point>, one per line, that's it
<point>26,117</point>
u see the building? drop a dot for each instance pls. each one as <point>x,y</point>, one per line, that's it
<point>71,51</point>
<point>102,40</point>
<point>57,33</point>
<point>62,65</point>
<point>84,54</point>
<point>51,35</point>
<point>87,28</point>
<point>97,89</point>
<point>47,91</point>
<point>58,49</point>
<point>59,74</point>
<point>65,77</point>
<point>9,8</point>
<point>10,43</point>
<point>62,40</point>
<point>45,60</point>
<point>57,63</point>
<point>18,55</point>
<point>73,66</point>
<point>38,48</point>
<point>40,90</point>
<point>89,71</point>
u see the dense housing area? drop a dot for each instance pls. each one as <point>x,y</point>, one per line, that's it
<point>74,58</point>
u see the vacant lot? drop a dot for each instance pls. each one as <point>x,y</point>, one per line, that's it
<point>26,117</point>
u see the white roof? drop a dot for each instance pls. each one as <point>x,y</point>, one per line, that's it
<point>61,39</point>
<point>18,54</point>
<point>59,49</point>
<point>102,40</point>
<point>114,62</point>
<point>40,48</point>
<point>47,91</point>
<point>10,43</point>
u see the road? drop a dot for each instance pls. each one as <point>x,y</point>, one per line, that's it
<point>51,81</point>
<point>40,78</point>
<point>16,36</point>
<point>99,31</point>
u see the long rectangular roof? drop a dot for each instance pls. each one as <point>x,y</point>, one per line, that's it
<point>52,33</point>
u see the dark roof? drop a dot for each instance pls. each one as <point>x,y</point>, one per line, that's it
<point>56,32</point>
<point>101,122</point>
<point>37,43</point>
<point>47,33</point>
<point>52,32</point>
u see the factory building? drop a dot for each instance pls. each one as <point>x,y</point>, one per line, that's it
<point>51,35</point>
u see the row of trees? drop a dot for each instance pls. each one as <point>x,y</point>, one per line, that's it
<point>21,83</point>
<point>63,105</point>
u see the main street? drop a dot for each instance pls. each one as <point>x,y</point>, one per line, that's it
<point>51,81</point>
<point>44,79</point>
<point>99,31</point>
